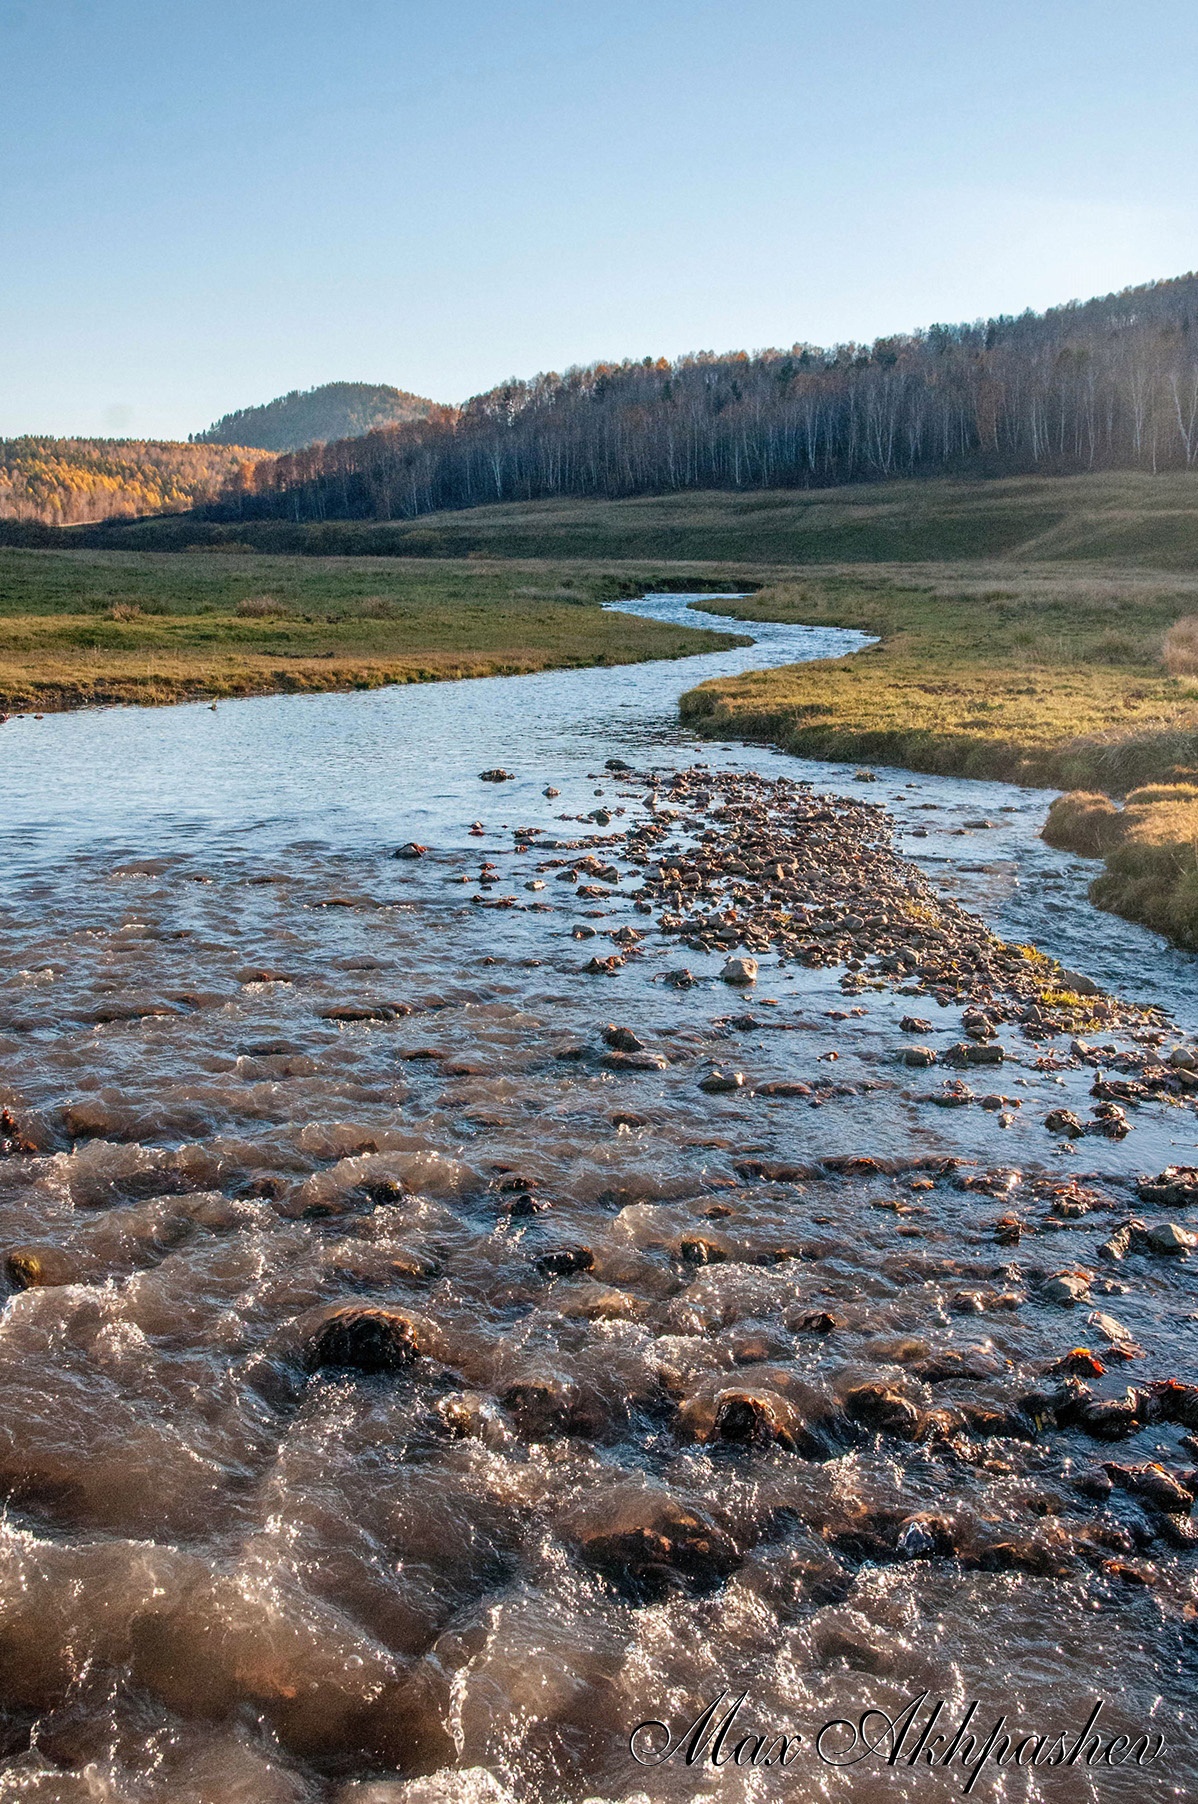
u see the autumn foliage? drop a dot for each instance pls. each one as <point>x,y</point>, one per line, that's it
<point>73,482</point>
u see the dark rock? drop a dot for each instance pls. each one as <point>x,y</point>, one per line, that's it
<point>32,1267</point>
<point>882,1409</point>
<point>1155,1485</point>
<point>563,1262</point>
<point>364,1338</point>
<point>719,1083</point>
<point>922,1536</point>
<point>655,1545</point>
<point>498,775</point>
<point>697,1251</point>
<point>622,1039</point>
<point>1064,1121</point>
<point>411,850</point>
<point>1174,1188</point>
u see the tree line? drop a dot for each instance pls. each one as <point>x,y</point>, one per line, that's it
<point>1110,383</point>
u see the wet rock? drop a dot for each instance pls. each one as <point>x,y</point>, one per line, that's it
<point>912,1024</point>
<point>1167,1237</point>
<point>752,1418</point>
<point>550,791</point>
<point>471,1415</point>
<point>721,1083</point>
<point>1110,1419</point>
<point>783,1087</point>
<point>883,1410</point>
<point>616,764</point>
<point>1110,1121</point>
<point>1155,1485</point>
<point>954,1094</point>
<point>1065,1288</point>
<point>1119,1342</point>
<point>621,1039</point>
<point>635,1061</point>
<point>563,1262</point>
<point>681,979</point>
<point>411,850</point>
<point>603,967</point>
<point>1177,1402</point>
<point>653,1545</point>
<point>544,1406</point>
<point>364,1338</point>
<point>1079,1362</point>
<point>740,971</point>
<point>697,1250</point>
<point>1174,1188</point>
<point>923,1536</point>
<point>33,1266</point>
<point>818,1321</point>
<point>918,1056</point>
<point>1064,1121</point>
<point>497,775</point>
<point>967,1052</point>
<point>14,1141</point>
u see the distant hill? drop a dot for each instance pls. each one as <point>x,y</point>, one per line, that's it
<point>313,416</point>
<point>76,481</point>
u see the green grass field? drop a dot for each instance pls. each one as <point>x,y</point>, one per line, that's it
<point>81,626</point>
<point>1124,518</point>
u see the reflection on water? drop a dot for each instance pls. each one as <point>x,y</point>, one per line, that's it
<point>266,1067</point>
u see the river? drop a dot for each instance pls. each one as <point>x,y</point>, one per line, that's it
<point>258,1065</point>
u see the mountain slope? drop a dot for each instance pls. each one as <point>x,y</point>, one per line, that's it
<point>312,416</point>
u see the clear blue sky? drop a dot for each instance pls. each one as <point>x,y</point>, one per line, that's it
<point>204,203</point>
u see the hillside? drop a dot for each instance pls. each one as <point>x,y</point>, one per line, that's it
<point>71,482</point>
<point>1123,517</point>
<point>1109,384</point>
<point>337,410</point>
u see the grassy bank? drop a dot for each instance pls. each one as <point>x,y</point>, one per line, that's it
<point>1046,675</point>
<point>1150,846</point>
<point>80,627</point>
<point>1122,518</point>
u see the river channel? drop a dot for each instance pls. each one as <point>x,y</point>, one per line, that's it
<point>257,1067</point>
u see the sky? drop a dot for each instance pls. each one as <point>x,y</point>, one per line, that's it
<point>207,203</point>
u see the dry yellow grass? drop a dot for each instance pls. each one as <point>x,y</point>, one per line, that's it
<point>1037,676</point>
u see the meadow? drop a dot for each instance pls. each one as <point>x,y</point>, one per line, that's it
<point>80,627</point>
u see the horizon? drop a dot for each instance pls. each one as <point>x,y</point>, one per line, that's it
<point>205,210</point>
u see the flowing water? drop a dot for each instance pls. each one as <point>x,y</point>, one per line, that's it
<point>264,1066</point>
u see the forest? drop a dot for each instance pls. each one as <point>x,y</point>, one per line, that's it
<point>77,481</point>
<point>1110,383</point>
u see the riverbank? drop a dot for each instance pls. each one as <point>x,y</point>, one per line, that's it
<point>1049,676</point>
<point>84,627</point>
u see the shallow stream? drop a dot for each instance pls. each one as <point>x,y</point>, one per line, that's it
<point>259,1065</point>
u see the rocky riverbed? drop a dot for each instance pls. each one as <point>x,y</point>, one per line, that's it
<point>467,1300</point>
